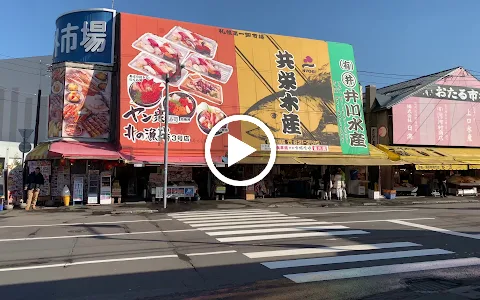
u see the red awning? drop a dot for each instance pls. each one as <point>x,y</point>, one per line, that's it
<point>172,160</point>
<point>79,150</point>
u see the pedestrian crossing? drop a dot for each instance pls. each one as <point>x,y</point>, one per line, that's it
<point>323,263</point>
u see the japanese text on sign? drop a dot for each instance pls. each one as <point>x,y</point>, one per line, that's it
<point>152,134</point>
<point>448,92</point>
<point>85,36</point>
<point>94,37</point>
<point>469,118</point>
<point>287,82</point>
<point>353,109</point>
<point>240,33</point>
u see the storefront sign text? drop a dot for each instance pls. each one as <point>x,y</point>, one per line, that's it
<point>85,36</point>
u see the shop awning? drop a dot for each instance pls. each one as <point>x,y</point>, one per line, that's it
<point>38,153</point>
<point>376,158</point>
<point>80,150</point>
<point>424,158</point>
<point>172,160</point>
<point>263,160</point>
<point>348,161</point>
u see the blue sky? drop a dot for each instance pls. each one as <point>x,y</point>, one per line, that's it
<point>407,37</point>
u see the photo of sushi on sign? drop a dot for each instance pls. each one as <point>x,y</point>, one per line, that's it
<point>181,107</point>
<point>160,48</point>
<point>145,91</point>
<point>208,116</point>
<point>210,68</point>
<point>157,68</point>
<point>87,99</point>
<point>193,41</point>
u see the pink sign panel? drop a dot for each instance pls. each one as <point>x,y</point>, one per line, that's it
<point>442,114</point>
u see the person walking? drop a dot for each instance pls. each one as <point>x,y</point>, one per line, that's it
<point>34,181</point>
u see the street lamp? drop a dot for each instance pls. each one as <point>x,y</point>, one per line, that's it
<point>177,74</point>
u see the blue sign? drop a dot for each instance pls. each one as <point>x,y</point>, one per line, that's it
<point>86,36</point>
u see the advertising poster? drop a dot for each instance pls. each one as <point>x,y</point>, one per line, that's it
<point>443,113</point>
<point>86,105</point>
<point>305,91</point>
<point>55,104</point>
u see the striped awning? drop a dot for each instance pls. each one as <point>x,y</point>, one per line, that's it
<point>38,153</point>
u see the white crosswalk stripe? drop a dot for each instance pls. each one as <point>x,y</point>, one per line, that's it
<point>237,226</point>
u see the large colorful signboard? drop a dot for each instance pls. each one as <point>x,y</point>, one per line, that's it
<point>305,91</point>
<point>85,36</point>
<point>442,114</point>
<point>79,105</point>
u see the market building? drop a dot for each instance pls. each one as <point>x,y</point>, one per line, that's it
<point>430,124</point>
<point>106,114</point>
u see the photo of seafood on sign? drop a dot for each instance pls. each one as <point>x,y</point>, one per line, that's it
<point>55,106</point>
<point>87,100</point>
<point>199,97</point>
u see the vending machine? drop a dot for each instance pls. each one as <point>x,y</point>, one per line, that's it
<point>93,180</point>
<point>106,188</point>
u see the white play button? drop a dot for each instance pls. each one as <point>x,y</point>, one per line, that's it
<point>237,150</point>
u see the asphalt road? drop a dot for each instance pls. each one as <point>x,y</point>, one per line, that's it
<point>418,252</point>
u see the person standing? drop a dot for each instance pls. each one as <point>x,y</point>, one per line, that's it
<point>327,185</point>
<point>338,184</point>
<point>443,184</point>
<point>34,181</point>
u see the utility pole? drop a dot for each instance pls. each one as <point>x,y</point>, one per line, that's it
<point>177,74</point>
<point>37,117</point>
<point>165,151</point>
<point>113,3</point>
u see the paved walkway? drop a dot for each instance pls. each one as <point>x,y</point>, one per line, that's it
<point>148,207</point>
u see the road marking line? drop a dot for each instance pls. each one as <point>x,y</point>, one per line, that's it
<point>64,265</point>
<point>292,223</point>
<point>250,220</point>
<point>336,249</point>
<point>228,215</point>
<point>353,258</point>
<point>125,259</point>
<point>436,229</point>
<point>243,216</point>
<point>383,270</point>
<point>82,224</point>
<point>212,253</point>
<point>92,235</point>
<point>374,221</point>
<point>354,212</point>
<point>213,212</point>
<point>288,236</point>
<point>287,229</point>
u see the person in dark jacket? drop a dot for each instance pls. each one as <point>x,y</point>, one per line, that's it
<point>443,184</point>
<point>34,181</point>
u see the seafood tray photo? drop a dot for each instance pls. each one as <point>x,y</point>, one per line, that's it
<point>82,81</point>
<point>181,105</point>
<point>146,93</point>
<point>207,67</point>
<point>156,67</point>
<point>208,116</point>
<point>198,86</point>
<point>193,41</point>
<point>160,47</point>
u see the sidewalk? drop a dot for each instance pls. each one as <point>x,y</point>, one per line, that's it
<point>147,207</point>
